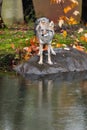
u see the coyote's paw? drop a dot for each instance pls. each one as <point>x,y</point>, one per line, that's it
<point>53,52</point>
<point>50,62</point>
<point>40,62</point>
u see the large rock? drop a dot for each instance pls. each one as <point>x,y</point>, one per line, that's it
<point>70,60</point>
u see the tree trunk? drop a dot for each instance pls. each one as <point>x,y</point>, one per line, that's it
<point>12,12</point>
<point>80,7</point>
<point>55,11</point>
<point>0,7</point>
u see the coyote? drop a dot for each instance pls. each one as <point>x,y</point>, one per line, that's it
<point>45,32</point>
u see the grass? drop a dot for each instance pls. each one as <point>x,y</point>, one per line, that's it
<point>20,38</point>
<point>9,37</point>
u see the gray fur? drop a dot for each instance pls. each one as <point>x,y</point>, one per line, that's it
<point>44,29</point>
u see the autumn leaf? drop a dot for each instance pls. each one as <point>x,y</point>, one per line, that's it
<point>72,21</point>
<point>85,35</point>
<point>53,1</point>
<point>1,32</point>
<point>33,41</point>
<point>85,39</point>
<point>67,9</point>
<point>58,45</point>
<point>28,49</point>
<point>64,34</point>
<point>61,22</point>
<point>80,30</point>
<point>74,1</point>
<point>80,48</point>
<point>56,1</point>
<point>59,1</point>
<point>73,5</point>
<point>12,46</point>
<point>82,38</point>
<point>76,12</point>
<point>53,43</point>
<point>27,57</point>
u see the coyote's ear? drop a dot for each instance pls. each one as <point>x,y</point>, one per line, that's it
<point>37,27</point>
<point>51,24</point>
<point>40,23</point>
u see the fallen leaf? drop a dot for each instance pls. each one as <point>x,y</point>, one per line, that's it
<point>27,57</point>
<point>67,9</point>
<point>72,21</point>
<point>74,1</point>
<point>64,34</point>
<point>82,38</point>
<point>76,12</point>
<point>61,22</point>
<point>80,30</point>
<point>80,48</point>
<point>12,46</point>
<point>85,35</point>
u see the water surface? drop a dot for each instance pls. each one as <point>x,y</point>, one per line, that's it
<point>43,104</point>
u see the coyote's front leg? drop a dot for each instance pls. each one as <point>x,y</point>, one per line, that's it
<point>49,55</point>
<point>51,49</point>
<point>41,54</point>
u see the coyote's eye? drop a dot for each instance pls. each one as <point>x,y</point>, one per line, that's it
<point>42,30</point>
<point>47,30</point>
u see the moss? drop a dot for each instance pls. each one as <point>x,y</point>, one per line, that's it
<point>18,38</point>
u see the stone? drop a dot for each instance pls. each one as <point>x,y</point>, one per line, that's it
<point>66,60</point>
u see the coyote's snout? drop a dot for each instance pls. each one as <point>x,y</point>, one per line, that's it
<point>45,32</point>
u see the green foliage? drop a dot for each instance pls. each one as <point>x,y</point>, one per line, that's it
<point>59,38</point>
<point>18,38</point>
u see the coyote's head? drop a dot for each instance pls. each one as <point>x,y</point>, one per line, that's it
<point>45,30</point>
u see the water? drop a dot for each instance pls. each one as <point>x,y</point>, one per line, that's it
<point>42,104</point>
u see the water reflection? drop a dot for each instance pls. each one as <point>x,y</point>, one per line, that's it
<point>42,104</point>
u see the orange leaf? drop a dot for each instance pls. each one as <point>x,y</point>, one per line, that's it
<point>85,39</point>
<point>73,5</point>
<point>29,49</point>
<point>33,40</point>
<point>80,48</point>
<point>59,45</point>
<point>27,56</point>
<point>72,21</point>
<point>82,38</point>
<point>12,46</point>
<point>53,1</point>
<point>64,34</point>
<point>67,9</point>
